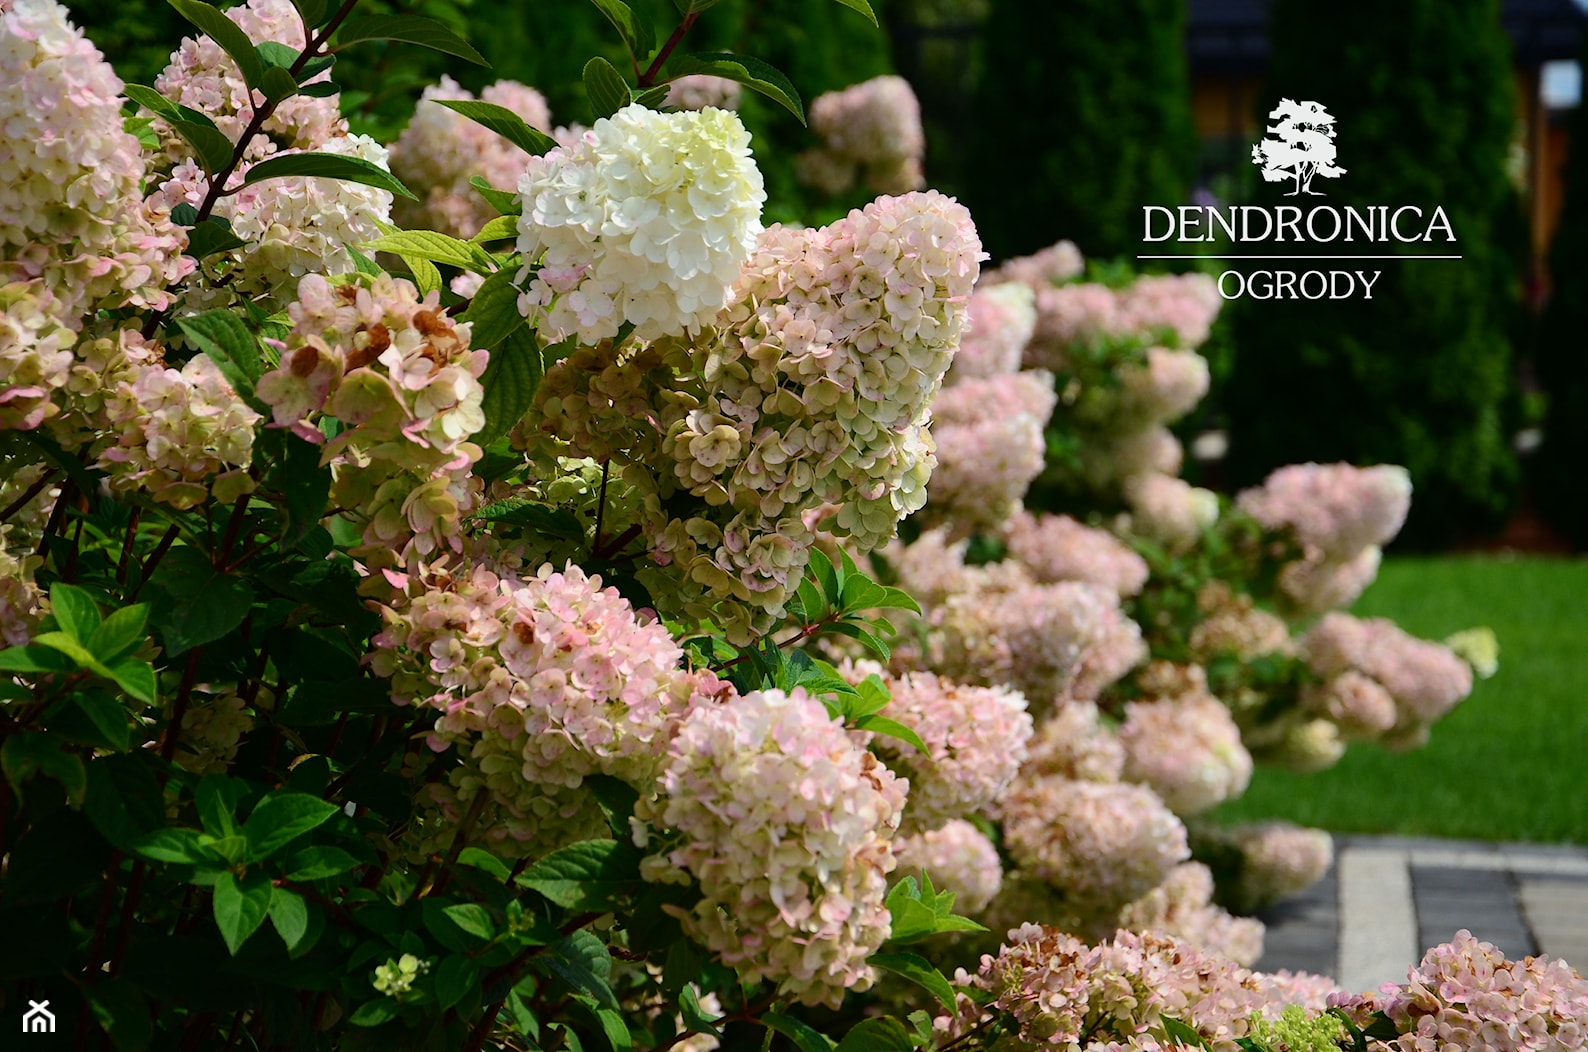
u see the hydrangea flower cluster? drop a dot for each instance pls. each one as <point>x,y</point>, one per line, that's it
<point>1179,307</point>
<point>975,739</point>
<point>700,91</point>
<point>1073,743</point>
<point>990,448</point>
<point>22,601</point>
<point>871,130</point>
<point>1002,319</point>
<point>1188,749</point>
<point>959,858</point>
<point>75,233</point>
<point>1062,993</point>
<point>1104,844</point>
<point>1054,265</point>
<point>1233,625</point>
<point>786,824</point>
<point>1058,548</point>
<point>203,77</point>
<point>1278,859</point>
<point>183,436</point>
<point>440,151</point>
<point>645,221</point>
<point>400,376</point>
<point>1340,515</point>
<point>1182,908</point>
<point>294,227</point>
<point>552,673</point>
<point>1169,510</point>
<point>1466,994</point>
<point>213,726</point>
<point>1425,679</point>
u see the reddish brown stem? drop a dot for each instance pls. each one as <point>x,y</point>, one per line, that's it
<point>648,78</point>
<point>154,560</point>
<point>27,495</point>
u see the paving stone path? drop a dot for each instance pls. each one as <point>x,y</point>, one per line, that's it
<point>1386,899</point>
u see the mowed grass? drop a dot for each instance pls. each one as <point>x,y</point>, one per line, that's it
<point>1511,761</point>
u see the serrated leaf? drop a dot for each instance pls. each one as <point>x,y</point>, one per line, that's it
<point>313,11</point>
<point>213,149</point>
<point>362,264</point>
<point>511,378</point>
<point>918,970</point>
<point>228,34</point>
<point>290,916</point>
<point>137,678</point>
<point>196,603</point>
<point>592,874</point>
<point>374,1013</point>
<point>753,73</point>
<point>615,1030</point>
<point>503,122</point>
<point>880,1034</point>
<point>278,84</point>
<point>503,201</point>
<point>212,236</point>
<point>408,29</point>
<point>863,7</point>
<point>216,802</point>
<point>635,30</point>
<point>653,98</point>
<point>493,312</point>
<point>865,636</point>
<point>542,518</point>
<point>96,718</point>
<point>75,611</point>
<point>155,102</point>
<point>317,863</point>
<point>502,228</point>
<point>274,54</point>
<point>1183,1034</point>
<point>480,859</point>
<point>893,729</point>
<point>436,247</point>
<point>456,976</point>
<point>427,278</point>
<point>281,818</point>
<point>605,86</point>
<point>471,918</point>
<point>583,962</point>
<point>240,906</point>
<point>326,166</point>
<point>805,1037</point>
<point>227,341</point>
<point>320,89</point>
<point>73,649</point>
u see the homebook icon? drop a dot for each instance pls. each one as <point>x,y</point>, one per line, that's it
<point>1299,147</point>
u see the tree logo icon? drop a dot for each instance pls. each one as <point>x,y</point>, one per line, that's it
<point>1299,146</point>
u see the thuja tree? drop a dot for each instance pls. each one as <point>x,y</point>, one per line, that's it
<point>1421,374</point>
<point>1562,362</point>
<point>1073,137</point>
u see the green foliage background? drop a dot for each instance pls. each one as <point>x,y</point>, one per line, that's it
<point>1420,375</point>
<point>1083,116</point>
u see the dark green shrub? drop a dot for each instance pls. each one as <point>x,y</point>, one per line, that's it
<point>1421,374</point>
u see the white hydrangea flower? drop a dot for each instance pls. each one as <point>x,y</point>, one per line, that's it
<point>646,219</point>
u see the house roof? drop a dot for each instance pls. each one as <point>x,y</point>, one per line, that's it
<point>1231,36</point>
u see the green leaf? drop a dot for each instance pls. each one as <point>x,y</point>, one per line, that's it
<point>27,753</point>
<point>326,166</point>
<point>918,970</point>
<point>176,846</point>
<point>273,53</point>
<point>503,201</point>
<point>317,863</point>
<point>1185,1036</point>
<point>635,30</point>
<point>615,1030</point>
<point>695,1018</point>
<point>227,341</point>
<point>503,122</point>
<point>427,278</point>
<point>95,718</point>
<point>592,874</point>
<point>212,236</point>
<point>617,799</point>
<point>438,248</point>
<point>290,915</point>
<point>583,962</point>
<point>863,7</point>
<point>494,310</point>
<point>281,818</point>
<point>880,1034</point>
<point>374,1013</point>
<point>893,729</point>
<point>510,381</point>
<point>35,659</point>
<point>455,977</point>
<point>227,34</point>
<point>408,29</point>
<point>240,906</point>
<point>213,149</point>
<point>197,604</point>
<point>607,89</point>
<point>121,1011</point>
<point>485,862</point>
<point>754,74</point>
<point>75,611</point>
<point>313,11</point>
<point>320,89</point>
<point>542,518</point>
<point>136,678</point>
<point>305,483</point>
<point>71,648</point>
<point>157,103</point>
<point>805,1037</point>
<point>867,638</point>
<point>278,84</point>
<point>142,129</point>
<point>216,799</point>
<point>472,918</point>
<point>502,228</point>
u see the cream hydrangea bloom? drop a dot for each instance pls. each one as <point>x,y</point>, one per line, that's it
<point>646,219</point>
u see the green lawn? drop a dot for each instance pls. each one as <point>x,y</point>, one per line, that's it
<point>1511,762</point>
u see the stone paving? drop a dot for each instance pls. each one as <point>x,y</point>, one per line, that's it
<point>1386,899</point>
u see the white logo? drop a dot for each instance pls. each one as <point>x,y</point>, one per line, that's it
<point>39,1019</point>
<point>1300,146</point>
